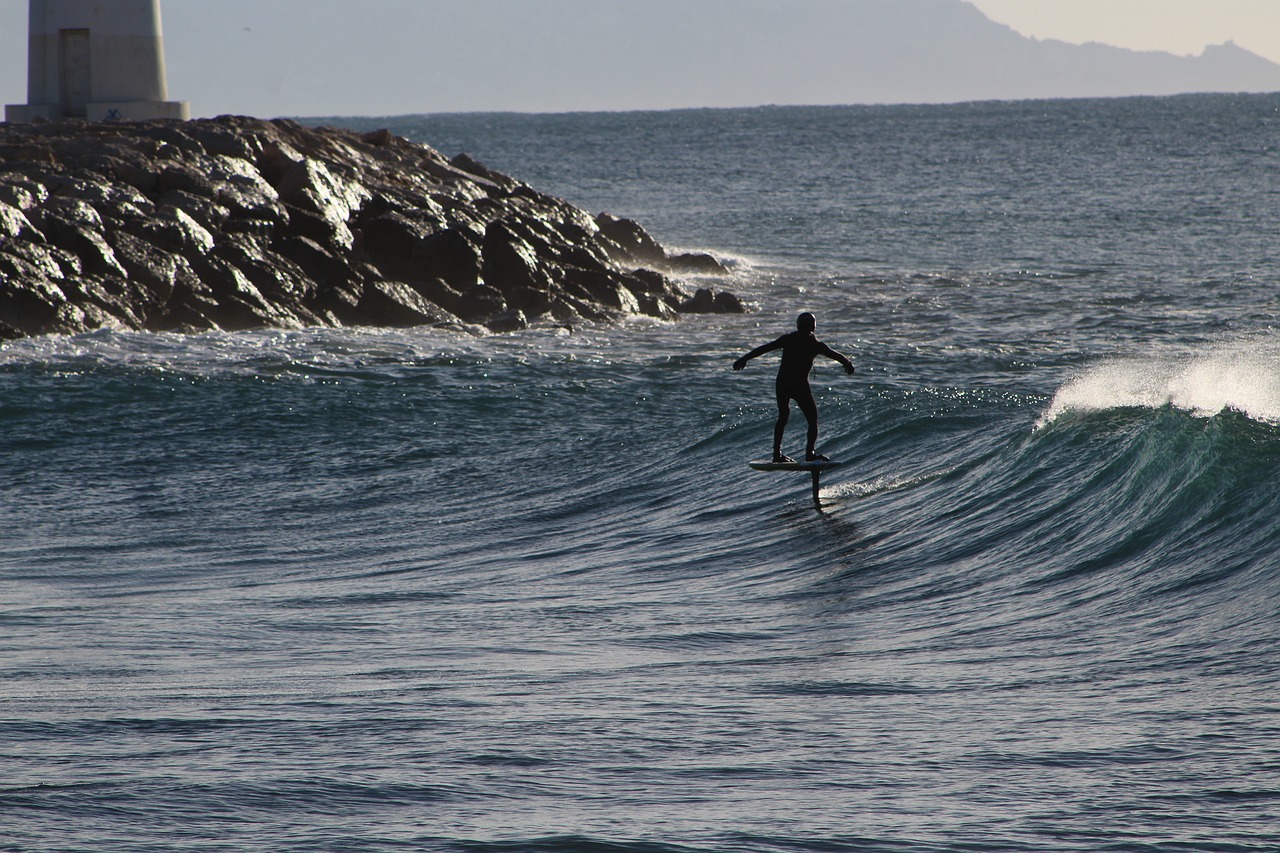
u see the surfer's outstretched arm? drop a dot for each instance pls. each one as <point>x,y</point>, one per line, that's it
<point>835,356</point>
<point>760,350</point>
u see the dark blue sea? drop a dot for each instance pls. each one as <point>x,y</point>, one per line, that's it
<point>410,590</point>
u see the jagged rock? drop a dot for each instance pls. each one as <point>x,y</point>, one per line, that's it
<point>112,201</point>
<point>34,153</point>
<point>448,255</point>
<point>173,228</point>
<point>381,138</point>
<point>326,232</point>
<point>191,307</point>
<point>114,297</point>
<point>533,301</point>
<point>480,302</point>
<point>135,171</point>
<point>509,263</point>
<point>729,303</point>
<point>74,225</point>
<point>653,282</point>
<point>655,306</point>
<point>702,302</point>
<point>697,262</point>
<point>309,185</point>
<point>22,193</point>
<point>511,320</point>
<point>437,290</point>
<point>392,237</point>
<point>241,305</point>
<point>394,303</point>
<point>224,139</point>
<point>341,301</point>
<point>606,287</point>
<point>276,277</point>
<point>14,224</point>
<point>147,265</point>
<point>22,261</point>
<point>243,190</point>
<point>708,301</point>
<point>206,212</point>
<point>67,214</point>
<point>171,135</point>
<point>239,222</point>
<point>31,304</point>
<point>186,177</point>
<point>627,240</point>
<point>327,269</point>
<point>472,167</point>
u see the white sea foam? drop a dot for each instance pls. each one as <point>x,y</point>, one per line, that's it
<point>884,483</point>
<point>1243,376</point>
<point>260,352</point>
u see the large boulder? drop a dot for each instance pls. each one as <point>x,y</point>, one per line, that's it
<point>392,237</point>
<point>449,255</point>
<point>30,305</point>
<point>395,303</point>
<point>709,301</point>
<point>147,266</point>
<point>278,279</point>
<point>173,228</point>
<point>24,261</point>
<point>509,262</point>
<point>627,241</point>
<point>309,185</point>
<point>22,192</point>
<point>14,224</point>
<point>480,302</point>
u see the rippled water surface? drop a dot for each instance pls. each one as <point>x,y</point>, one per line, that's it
<point>407,590</point>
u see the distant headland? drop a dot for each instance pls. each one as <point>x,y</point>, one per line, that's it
<point>238,223</point>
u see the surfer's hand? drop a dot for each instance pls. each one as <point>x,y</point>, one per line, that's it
<point>850,369</point>
<point>739,364</point>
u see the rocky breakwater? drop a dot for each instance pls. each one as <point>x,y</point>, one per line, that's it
<point>237,223</point>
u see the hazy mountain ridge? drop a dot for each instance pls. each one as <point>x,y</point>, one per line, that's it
<point>948,50</point>
<point>672,53</point>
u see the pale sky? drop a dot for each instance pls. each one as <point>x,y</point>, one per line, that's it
<point>389,57</point>
<point>1183,27</point>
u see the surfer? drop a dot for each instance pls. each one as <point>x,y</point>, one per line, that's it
<point>799,349</point>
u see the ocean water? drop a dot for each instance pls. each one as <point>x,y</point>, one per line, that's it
<point>384,590</point>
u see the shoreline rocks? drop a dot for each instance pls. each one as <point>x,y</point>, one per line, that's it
<point>238,223</point>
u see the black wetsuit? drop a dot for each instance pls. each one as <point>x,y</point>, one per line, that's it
<point>799,349</point>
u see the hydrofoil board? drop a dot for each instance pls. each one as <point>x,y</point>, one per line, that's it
<point>812,467</point>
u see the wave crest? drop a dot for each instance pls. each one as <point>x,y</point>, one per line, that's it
<point>1242,377</point>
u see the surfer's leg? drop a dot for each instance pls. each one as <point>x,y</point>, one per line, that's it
<point>780,426</point>
<point>810,408</point>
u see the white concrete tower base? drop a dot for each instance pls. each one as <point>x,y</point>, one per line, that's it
<point>102,60</point>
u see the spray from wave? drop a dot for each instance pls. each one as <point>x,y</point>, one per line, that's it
<point>1240,376</point>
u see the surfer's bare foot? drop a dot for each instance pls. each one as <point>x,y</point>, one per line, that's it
<point>780,458</point>
<point>816,457</point>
